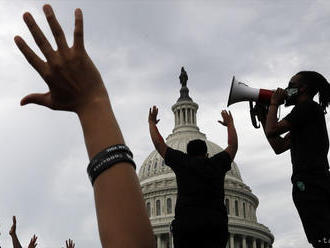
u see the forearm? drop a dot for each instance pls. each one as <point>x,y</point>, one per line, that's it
<point>271,120</point>
<point>277,143</point>
<point>120,207</point>
<point>16,243</point>
<point>100,126</point>
<point>232,136</point>
<point>232,140</point>
<point>156,137</point>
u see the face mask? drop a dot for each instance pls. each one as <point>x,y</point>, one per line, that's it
<point>292,96</point>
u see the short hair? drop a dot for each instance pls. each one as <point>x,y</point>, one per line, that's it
<point>196,147</point>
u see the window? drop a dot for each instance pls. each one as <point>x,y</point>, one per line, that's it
<point>228,206</point>
<point>236,208</point>
<point>169,205</point>
<point>148,209</point>
<point>244,211</point>
<point>158,207</point>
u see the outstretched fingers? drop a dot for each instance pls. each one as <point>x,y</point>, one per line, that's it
<point>226,118</point>
<point>55,27</point>
<point>38,36</point>
<point>78,39</point>
<point>69,243</point>
<point>37,63</point>
<point>33,242</point>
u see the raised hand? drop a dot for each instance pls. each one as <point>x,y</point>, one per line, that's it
<point>12,230</point>
<point>33,242</point>
<point>227,118</point>
<point>278,97</point>
<point>72,78</point>
<point>69,243</point>
<point>153,112</point>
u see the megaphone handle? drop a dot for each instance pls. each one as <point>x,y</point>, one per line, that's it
<point>253,116</point>
<point>279,112</point>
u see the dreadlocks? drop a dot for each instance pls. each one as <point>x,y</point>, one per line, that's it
<point>317,83</point>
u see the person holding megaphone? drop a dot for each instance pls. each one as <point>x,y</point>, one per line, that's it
<point>307,139</point>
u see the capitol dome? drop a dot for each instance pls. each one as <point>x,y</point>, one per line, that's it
<point>159,187</point>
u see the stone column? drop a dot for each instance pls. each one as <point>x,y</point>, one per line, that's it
<point>232,241</point>
<point>180,115</point>
<point>191,116</point>
<point>158,241</point>
<point>170,239</point>
<point>254,243</point>
<point>176,117</point>
<point>262,244</point>
<point>186,115</point>
<point>243,241</point>
<point>172,242</point>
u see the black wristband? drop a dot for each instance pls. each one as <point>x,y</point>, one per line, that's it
<point>107,158</point>
<point>110,150</point>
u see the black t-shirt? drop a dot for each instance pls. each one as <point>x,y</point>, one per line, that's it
<point>309,139</point>
<point>200,181</point>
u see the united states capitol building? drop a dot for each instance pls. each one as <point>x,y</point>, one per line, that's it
<point>160,190</point>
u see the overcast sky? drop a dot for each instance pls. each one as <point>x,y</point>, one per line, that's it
<point>139,48</point>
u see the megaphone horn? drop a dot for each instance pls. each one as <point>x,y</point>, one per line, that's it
<point>240,92</point>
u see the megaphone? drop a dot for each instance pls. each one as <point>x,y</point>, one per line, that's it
<point>240,92</point>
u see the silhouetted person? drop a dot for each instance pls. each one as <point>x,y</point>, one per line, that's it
<point>200,214</point>
<point>307,139</point>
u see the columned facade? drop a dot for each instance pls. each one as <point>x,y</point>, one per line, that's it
<point>159,187</point>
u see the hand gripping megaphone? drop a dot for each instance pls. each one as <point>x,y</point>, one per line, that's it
<point>240,92</point>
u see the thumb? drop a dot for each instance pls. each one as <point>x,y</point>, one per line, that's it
<point>37,98</point>
<point>221,122</point>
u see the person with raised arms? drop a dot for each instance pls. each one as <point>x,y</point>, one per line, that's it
<point>76,85</point>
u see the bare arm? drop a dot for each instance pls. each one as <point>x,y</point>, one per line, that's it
<point>12,233</point>
<point>274,127</point>
<point>76,85</point>
<point>156,137</point>
<point>228,121</point>
<point>278,144</point>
